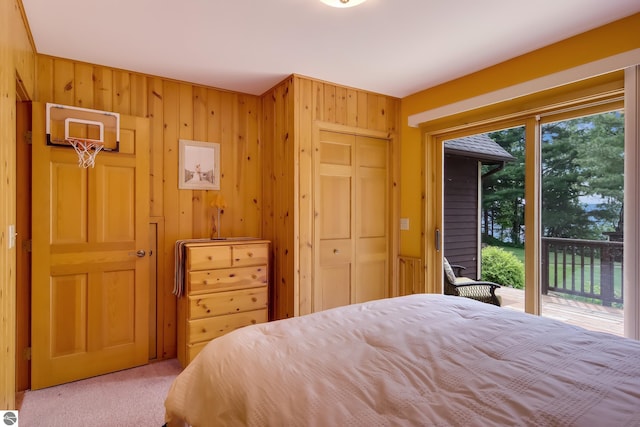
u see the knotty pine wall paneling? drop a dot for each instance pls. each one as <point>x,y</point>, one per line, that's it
<point>176,110</point>
<point>292,110</point>
<point>17,74</point>
<point>305,98</point>
<point>7,214</point>
<point>170,209</point>
<point>278,216</point>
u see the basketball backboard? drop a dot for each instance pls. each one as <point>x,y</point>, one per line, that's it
<point>64,122</point>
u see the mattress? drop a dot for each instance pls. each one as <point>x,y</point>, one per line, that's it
<point>418,360</point>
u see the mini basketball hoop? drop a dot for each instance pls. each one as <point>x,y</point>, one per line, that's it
<point>87,131</point>
<point>87,150</point>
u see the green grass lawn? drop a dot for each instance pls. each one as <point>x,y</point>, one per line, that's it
<point>569,274</point>
<point>518,252</point>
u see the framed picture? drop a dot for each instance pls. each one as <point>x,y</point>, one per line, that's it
<point>199,167</point>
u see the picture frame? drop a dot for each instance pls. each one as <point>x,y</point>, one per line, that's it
<point>199,165</point>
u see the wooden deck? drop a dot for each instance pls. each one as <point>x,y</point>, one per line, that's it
<point>589,316</point>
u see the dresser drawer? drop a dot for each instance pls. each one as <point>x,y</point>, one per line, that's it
<point>219,303</point>
<point>226,279</point>
<point>208,257</point>
<point>212,327</point>
<point>226,287</point>
<point>249,254</point>
<point>194,349</point>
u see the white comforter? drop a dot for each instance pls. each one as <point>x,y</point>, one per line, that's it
<point>420,360</point>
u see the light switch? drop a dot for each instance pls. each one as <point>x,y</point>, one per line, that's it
<point>404,223</point>
<point>12,236</point>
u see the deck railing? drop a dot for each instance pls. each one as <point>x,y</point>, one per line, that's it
<point>590,269</point>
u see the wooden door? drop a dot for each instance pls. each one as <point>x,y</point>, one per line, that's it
<point>90,294</point>
<point>372,209</point>
<point>334,220</point>
<point>351,230</point>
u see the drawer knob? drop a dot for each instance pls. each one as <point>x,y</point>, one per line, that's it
<point>336,251</point>
<point>249,254</point>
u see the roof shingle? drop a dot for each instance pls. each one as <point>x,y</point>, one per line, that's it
<point>478,146</point>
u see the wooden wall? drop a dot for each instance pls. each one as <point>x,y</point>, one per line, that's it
<point>409,275</point>
<point>16,82</point>
<point>265,167</point>
<point>292,112</point>
<point>176,111</point>
<point>278,137</point>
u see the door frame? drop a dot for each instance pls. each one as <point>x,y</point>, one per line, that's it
<point>394,201</point>
<point>122,255</point>
<point>566,99</point>
<point>23,245</point>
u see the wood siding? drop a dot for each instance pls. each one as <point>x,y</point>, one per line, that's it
<point>260,181</point>
<point>460,233</point>
<point>293,111</point>
<point>176,111</point>
<point>266,163</point>
<point>16,83</point>
<point>409,275</point>
<point>278,106</point>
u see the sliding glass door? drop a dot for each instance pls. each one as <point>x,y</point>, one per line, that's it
<point>483,226</point>
<point>582,239</point>
<point>548,215</point>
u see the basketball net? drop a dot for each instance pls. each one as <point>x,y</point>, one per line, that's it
<point>87,151</point>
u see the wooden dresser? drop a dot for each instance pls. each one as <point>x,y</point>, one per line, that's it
<point>226,287</point>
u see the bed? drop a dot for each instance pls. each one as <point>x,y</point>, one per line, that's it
<point>416,360</point>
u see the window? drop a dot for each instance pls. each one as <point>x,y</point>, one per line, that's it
<point>536,121</point>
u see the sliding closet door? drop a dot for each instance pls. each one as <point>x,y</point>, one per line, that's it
<point>372,219</point>
<point>334,221</point>
<point>351,205</point>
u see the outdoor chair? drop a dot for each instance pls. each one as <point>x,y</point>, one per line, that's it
<point>456,284</point>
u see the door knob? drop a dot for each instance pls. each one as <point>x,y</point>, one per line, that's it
<point>141,253</point>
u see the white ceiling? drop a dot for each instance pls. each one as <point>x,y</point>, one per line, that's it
<point>393,47</point>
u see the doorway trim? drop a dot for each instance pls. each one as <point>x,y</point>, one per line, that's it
<point>631,273</point>
<point>629,90</point>
<point>304,289</point>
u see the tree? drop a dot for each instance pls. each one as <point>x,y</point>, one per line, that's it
<point>563,215</point>
<point>582,159</point>
<point>503,192</point>
<point>601,160</point>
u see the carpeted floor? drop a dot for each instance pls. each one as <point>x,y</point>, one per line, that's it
<point>133,397</point>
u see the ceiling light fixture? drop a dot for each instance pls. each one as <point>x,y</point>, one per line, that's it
<point>343,3</point>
